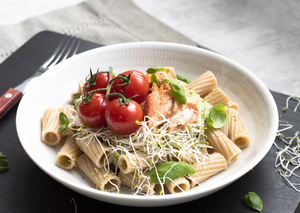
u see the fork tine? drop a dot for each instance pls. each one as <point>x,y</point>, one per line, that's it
<point>59,54</point>
<point>72,49</point>
<point>76,48</point>
<point>50,59</point>
<point>65,51</point>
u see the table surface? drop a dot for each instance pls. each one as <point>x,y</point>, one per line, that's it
<point>260,35</point>
<point>26,188</point>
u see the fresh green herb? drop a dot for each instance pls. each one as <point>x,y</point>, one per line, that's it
<point>73,201</point>
<point>154,79</point>
<point>181,78</point>
<point>177,90</point>
<point>64,122</point>
<point>91,80</point>
<point>156,69</point>
<point>76,96</point>
<point>114,159</point>
<point>3,163</point>
<point>169,171</point>
<point>2,155</point>
<point>217,116</point>
<point>77,102</point>
<point>253,200</point>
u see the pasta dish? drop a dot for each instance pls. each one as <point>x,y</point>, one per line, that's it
<point>156,133</point>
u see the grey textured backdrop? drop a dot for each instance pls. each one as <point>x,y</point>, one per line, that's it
<point>263,36</point>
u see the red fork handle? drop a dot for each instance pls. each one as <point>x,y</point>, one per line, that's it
<point>8,100</point>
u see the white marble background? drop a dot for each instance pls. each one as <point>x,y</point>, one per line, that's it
<point>263,36</point>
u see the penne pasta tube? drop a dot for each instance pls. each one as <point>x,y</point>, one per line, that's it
<point>212,165</point>
<point>222,144</point>
<point>79,91</point>
<point>232,104</point>
<point>50,124</point>
<point>106,181</point>
<point>94,149</point>
<point>129,162</point>
<point>144,184</point>
<point>217,96</point>
<point>68,154</point>
<point>236,129</point>
<point>178,185</point>
<point>225,127</point>
<point>204,84</point>
<point>80,86</point>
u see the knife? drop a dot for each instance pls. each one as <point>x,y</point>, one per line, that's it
<point>67,48</point>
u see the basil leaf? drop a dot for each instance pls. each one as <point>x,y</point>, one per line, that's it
<point>165,172</point>
<point>64,121</point>
<point>156,69</point>
<point>181,78</point>
<point>76,96</point>
<point>217,116</point>
<point>2,155</point>
<point>177,90</point>
<point>3,163</point>
<point>154,79</point>
<point>77,102</point>
<point>63,127</point>
<point>253,200</point>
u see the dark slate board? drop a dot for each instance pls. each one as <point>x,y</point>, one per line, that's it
<point>26,188</point>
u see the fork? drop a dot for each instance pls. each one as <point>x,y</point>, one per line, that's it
<point>67,48</point>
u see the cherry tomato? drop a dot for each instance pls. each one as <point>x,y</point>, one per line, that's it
<point>121,119</point>
<point>101,82</point>
<point>92,114</point>
<point>139,85</point>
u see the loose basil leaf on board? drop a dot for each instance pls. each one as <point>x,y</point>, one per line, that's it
<point>3,163</point>
<point>181,78</point>
<point>64,121</point>
<point>253,200</point>
<point>177,90</point>
<point>156,69</point>
<point>154,79</point>
<point>2,155</point>
<point>165,172</point>
<point>217,116</point>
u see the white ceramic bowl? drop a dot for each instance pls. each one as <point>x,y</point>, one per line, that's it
<point>53,89</point>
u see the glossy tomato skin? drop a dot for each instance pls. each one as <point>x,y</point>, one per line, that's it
<point>121,119</point>
<point>139,85</point>
<point>101,82</point>
<point>92,114</point>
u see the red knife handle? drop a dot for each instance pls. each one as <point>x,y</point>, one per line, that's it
<point>8,100</point>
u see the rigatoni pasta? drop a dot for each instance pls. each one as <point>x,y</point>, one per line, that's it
<point>236,129</point>
<point>129,162</point>
<point>50,124</point>
<point>155,157</point>
<point>178,185</point>
<point>222,144</point>
<point>142,183</point>
<point>104,180</point>
<point>214,164</point>
<point>94,149</point>
<point>68,154</point>
<point>217,96</point>
<point>204,84</point>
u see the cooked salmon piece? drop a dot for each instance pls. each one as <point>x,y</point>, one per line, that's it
<point>162,75</point>
<point>159,100</point>
<point>184,114</point>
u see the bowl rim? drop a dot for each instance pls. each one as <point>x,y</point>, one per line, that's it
<point>192,193</point>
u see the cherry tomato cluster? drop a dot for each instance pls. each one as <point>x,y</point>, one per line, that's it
<point>114,101</point>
